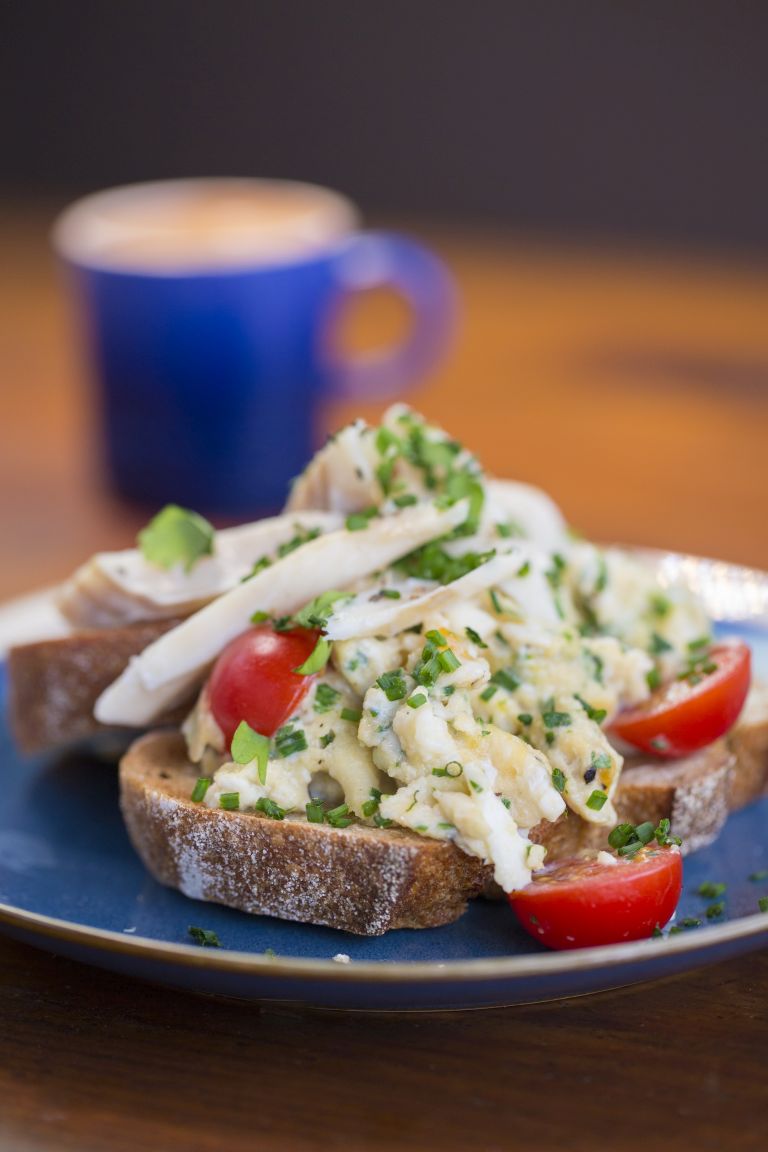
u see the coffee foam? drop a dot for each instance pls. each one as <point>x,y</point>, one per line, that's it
<point>179,226</point>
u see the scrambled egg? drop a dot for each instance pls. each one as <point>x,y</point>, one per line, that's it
<point>487,715</point>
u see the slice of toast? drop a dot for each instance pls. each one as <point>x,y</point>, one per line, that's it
<point>54,684</point>
<point>360,879</point>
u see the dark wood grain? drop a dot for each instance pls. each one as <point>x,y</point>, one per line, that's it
<point>91,1060</point>
<point>637,392</point>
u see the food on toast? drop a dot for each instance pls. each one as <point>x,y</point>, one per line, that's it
<point>420,677</point>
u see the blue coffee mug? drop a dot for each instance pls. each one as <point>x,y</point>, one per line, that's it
<point>213,371</point>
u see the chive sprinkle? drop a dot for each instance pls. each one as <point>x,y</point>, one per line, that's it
<point>596,800</point>
<point>230,801</point>
<point>354,715</point>
<point>325,698</point>
<point>393,685</point>
<point>289,739</point>
<point>200,789</point>
<point>315,813</point>
<point>710,891</point>
<point>204,937</point>
<point>270,809</point>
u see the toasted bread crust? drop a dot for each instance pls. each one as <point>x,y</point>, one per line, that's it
<point>54,684</point>
<point>360,879</point>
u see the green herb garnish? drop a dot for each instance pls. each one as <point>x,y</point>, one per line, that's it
<point>596,800</point>
<point>327,739</point>
<point>339,817</point>
<point>200,789</point>
<point>393,685</point>
<point>453,769</point>
<point>325,698</point>
<point>354,715</point>
<point>596,714</point>
<point>248,745</point>
<point>475,637</point>
<point>270,809</point>
<point>317,613</point>
<point>204,937</point>
<point>176,536</point>
<point>289,739</point>
<point>230,801</point>
<point>558,779</point>
<point>317,659</point>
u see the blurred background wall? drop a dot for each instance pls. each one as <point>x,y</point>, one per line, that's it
<point>615,118</point>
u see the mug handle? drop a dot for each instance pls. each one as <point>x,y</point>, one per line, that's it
<point>387,260</point>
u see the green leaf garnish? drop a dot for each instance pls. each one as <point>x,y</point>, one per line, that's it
<point>248,745</point>
<point>317,659</point>
<point>317,613</point>
<point>176,536</point>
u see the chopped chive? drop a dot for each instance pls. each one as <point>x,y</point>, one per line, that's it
<point>315,812</point>
<point>406,500</point>
<point>757,877</point>
<point>715,910</point>
<point>762,903</point>
<point>325,698</point>
<point>475,637</point>
<point>317,613</point>
<point>389,594</point>
<point>551,718</point>
<point>595,714</point>
<point>393,685</point>
<point>453,769</point>
<point>658,645</point>
<point>259,617</point>
<point>525,718</point>
<point>339,817</point>
<point>524,570</point>
<point>489,692</point>
<point>381,821</point>
<point>200,789</point>
<point>289,739</point>
<point>558,779</point>
<point>436,637</point>
<point>230,801</point>
<point>448,660</point>
<point>354,715</point>
<point>711,891</point>
<point>204,937</point>
<point>270,809</point>
<point>417,700</point>
<point>596,800</point>
<point>653,679</point>
<point>505,678</point>
<point>327,739</point>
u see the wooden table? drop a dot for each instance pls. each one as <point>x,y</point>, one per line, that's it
<point>636,390</point>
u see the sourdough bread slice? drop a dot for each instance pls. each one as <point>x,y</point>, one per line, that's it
<point>360,879</point>
<point>54,684</point>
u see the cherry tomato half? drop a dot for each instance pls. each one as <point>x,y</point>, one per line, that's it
<point>580,903</point>
<point>254,679</point>
<point>688,714</point>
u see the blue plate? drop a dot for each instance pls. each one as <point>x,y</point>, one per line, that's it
<point>70,882</point>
